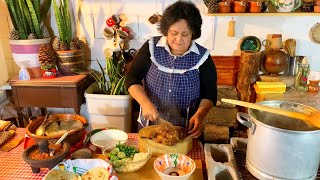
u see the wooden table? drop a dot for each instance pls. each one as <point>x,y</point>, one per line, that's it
<point>59,92</point>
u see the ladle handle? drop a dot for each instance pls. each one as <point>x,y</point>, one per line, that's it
<point>62,138</point>
<point>269,109</point>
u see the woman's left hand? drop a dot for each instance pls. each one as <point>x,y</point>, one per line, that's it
<point>195,127</point>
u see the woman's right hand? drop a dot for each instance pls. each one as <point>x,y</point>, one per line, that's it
<point>150,112</point>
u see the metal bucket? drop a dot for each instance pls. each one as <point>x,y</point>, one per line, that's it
<point>280,147</point>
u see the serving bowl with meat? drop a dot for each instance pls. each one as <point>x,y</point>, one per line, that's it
<point>164,139</point>
<point>56,125</point>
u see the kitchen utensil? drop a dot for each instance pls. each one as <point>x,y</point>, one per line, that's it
<point>312,118</point>
<point>281,147</point>
<point>41,129</point>
<point>51,153</point>
<point>291,43</point>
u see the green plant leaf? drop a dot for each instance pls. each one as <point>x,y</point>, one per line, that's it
<point>59,20</point>
<point>26,27</point>
<point>36,5</point>
<point>35,21</point>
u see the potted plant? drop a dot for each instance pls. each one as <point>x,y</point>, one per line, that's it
<point>29,33</point>
<point>107,99</point>
<point>69,49</point>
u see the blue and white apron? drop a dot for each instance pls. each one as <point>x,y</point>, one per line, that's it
<point>172,82</point>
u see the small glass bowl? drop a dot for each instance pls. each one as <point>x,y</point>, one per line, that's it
<point>127,166</point>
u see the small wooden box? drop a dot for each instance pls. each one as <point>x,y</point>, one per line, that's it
<point>227,69</point>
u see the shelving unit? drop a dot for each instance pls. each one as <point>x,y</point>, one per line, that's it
<point>266,14</point>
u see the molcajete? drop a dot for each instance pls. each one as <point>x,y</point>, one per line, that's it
<point>275,61</point>
<point>44,163</point>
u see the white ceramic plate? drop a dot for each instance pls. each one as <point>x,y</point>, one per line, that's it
<point>80,166</point>
<point>109,137</point>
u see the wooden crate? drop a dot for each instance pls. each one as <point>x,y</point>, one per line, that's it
<point>227,69</point>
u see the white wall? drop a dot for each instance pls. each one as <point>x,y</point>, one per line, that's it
<point>93,14</point>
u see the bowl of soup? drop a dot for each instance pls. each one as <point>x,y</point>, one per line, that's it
<point>174,166</point>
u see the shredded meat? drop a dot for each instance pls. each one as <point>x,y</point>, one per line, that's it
<point>165,134</point>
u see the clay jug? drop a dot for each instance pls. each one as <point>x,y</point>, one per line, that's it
<point>286,5</point>
<point>275,61</point>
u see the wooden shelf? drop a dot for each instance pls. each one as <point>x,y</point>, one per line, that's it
<point>266,14</point>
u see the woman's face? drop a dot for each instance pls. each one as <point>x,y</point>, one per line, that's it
<point>179,37</point>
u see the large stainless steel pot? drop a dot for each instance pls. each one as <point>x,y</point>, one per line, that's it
<point>280,147</point>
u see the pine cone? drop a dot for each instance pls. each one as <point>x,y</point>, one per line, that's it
<point>47,55</point>
<point>63,46</point>
<point>73,46</point>
<point>56,44</point>
<point>32,36</point>
<point>79,43</point>
<point>45,32</point>
<point>14,35</point>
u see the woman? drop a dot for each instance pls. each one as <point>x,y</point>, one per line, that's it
<point>179,74</point>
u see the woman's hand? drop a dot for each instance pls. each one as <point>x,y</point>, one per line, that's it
<point>195,126</point>
<point>150,112</point>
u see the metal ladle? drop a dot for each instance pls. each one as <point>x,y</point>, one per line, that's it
<point>41,129</point>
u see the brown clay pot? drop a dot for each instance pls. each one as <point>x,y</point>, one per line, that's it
<point>276,61</point>
<point>73,136</point>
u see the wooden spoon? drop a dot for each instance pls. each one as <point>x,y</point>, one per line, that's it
<point>313,118</point>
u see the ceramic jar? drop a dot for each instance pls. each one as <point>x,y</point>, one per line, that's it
<point>313,86</point>
<point>255,6</point>
<point>239,6</point>
<point>275,61</point>
<point>224,7</point>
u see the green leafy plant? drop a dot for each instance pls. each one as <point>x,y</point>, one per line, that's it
<point>27,17</point>
<point>63,20</point>
<point>111,79</point>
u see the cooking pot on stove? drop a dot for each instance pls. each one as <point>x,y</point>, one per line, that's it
<point>280,147</point>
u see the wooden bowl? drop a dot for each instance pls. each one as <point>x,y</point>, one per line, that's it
<point>73,137</point>
<point>45,163</point>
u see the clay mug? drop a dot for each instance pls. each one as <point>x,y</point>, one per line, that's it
<point>108,32</point>
<point>255,6</point>
<point>286,5</point>
<point>275,42</point>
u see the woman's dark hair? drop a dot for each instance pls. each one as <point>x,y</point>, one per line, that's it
<point>182,10</point>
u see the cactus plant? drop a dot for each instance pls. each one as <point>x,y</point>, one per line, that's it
<point>27,16</point>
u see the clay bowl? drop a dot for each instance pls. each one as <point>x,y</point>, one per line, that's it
<point>45,163</point>
<point>73,137</point>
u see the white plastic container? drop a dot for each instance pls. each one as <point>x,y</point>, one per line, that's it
<point>109,110</point>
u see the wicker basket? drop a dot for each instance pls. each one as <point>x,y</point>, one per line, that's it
<point>71,59</point>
